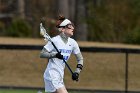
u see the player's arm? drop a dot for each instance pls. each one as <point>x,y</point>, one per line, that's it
<point>79,66</point>
<point>45,54</point>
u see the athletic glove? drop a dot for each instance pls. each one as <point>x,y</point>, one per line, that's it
<point>75,76</point>
<point>58,55</point>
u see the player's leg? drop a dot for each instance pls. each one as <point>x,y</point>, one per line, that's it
<point>54,87</point>
<point>62,90</point>
<point>49,88</point>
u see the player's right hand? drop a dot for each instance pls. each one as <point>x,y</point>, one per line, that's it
<point>75,76</point>
<point>58,55</point>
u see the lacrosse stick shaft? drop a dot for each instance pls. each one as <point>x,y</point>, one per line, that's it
<point>63,58</point>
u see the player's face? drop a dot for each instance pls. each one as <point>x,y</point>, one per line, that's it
<point>69,30</point>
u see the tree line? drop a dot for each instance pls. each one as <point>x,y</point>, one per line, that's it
<point>114,21</point>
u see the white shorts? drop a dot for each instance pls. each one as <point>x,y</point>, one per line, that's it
<point>51,86</point>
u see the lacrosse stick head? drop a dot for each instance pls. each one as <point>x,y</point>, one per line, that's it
<point>44,33</point>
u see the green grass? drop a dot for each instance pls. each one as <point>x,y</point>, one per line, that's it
<point>29,91</point>
<point>17,91</point>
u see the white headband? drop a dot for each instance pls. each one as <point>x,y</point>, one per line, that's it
<point>65,22</point>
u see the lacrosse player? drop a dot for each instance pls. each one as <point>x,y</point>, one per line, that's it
<point>54,73</point>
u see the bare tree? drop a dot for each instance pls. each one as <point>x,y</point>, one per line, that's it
<point>81,26</point>
<point>72,6</point>
<point>21,9</point>
<point>63,7</point>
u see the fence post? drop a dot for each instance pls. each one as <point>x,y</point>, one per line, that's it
<point>126,73</point>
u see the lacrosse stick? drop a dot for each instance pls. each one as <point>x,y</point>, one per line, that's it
<point>47,37</point>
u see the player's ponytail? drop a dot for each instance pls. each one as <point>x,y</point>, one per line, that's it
<point>60,19</point>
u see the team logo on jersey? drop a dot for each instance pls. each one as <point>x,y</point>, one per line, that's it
<point>65,51</point>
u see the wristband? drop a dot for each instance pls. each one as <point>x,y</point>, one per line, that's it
<point>79,66</point>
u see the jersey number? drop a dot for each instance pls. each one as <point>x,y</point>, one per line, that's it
<point>65,58</point>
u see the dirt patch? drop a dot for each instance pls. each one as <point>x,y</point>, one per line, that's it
<point>40,41</point>
<point>101,70</point>
<point>21,41</point>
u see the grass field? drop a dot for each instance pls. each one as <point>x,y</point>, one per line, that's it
<point>101,70</point>
<point>17,91</point>
<point>30,91</point>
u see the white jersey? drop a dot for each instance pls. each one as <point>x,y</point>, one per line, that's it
<point>56,66</point>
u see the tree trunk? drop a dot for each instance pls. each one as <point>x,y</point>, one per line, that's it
<point>81,25</point>
<point>21,9</point>
<point>63,7</point>
<point>72,10</point>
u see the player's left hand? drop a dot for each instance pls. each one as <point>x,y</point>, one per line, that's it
<point>58,55</point>
<point>75,76</point>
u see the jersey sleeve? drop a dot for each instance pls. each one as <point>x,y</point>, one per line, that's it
<point>49,46</point>
<point>76,48</point>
